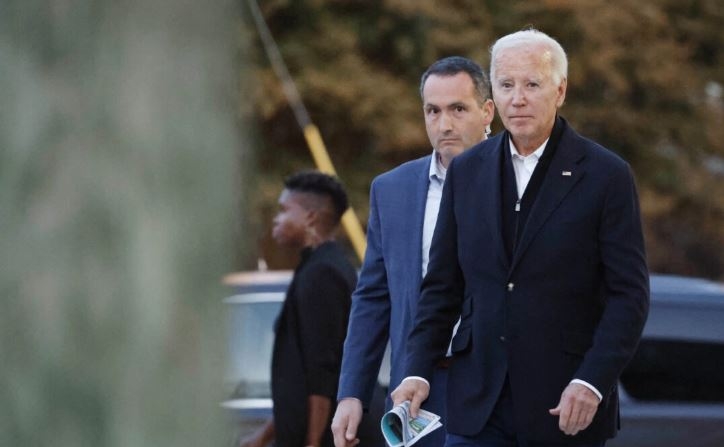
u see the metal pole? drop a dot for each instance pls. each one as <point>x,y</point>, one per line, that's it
<point>350,221</point>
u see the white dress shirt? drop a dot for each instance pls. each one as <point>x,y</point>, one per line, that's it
<point>432,207</point>
<point>524,166</point>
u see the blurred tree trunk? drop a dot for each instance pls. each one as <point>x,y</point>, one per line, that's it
<point>119,179</point>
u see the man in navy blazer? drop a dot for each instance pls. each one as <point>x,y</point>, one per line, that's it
<point>403,210</point>
<point>539,249</point>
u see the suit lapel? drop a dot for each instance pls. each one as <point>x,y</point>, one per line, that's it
<point>415,212</point>
<point>488,188</point>
<point>563,174</point>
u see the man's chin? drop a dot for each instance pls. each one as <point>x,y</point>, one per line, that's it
<point>450,148</point>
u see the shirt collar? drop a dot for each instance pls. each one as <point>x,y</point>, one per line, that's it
<point>536,155</point>
<point>437,170</point>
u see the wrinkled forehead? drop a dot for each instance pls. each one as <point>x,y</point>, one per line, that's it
<point>454,84</point>
<point>531,57</point>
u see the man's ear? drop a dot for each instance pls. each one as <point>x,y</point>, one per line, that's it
<point>489,107</point>
<point>312,217</point>
<point>562,92</point>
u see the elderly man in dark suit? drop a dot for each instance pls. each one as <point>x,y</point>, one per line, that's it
<point>539,247</point>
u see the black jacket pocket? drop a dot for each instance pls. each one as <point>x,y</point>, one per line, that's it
<point>461,341</point>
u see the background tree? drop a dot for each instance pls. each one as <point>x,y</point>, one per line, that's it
<point>118,184</point>
<point>645,80</point>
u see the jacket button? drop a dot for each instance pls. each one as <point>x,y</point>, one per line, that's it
<point>511,286</point>
<point>502,338</point>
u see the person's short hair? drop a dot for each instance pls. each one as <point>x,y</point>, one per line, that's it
<point>531,36</point>
<point>320,184</point>
<point>450,66</point>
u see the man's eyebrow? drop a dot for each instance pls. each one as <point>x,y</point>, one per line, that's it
<point>456,104</point>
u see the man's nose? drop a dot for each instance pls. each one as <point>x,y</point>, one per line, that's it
<point>446,122</point>
<point>519,98</point>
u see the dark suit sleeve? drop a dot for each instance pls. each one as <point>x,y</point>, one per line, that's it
<point>323,309</point>
<point>441,291</point>
<point>626,284</point>
<point>369,321</point>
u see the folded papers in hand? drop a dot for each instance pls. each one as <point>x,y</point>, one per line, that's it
<point>400,430</point>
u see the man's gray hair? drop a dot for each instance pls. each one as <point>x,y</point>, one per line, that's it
<point>559,61</point>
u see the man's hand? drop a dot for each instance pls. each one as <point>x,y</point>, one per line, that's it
<point>346,421</point>
<point>414,390</point>
<point>576,409</point>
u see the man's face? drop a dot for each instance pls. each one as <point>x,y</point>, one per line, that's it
<point>291,221</point>
<point>526,95</point>
<point>453,118</point>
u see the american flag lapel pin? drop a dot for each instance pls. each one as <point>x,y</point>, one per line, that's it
<point>566,173</point>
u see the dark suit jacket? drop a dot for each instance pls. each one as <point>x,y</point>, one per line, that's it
<point>389,284</point>
<point>385,301</point>
<point>570,303</point>
<point>310,331</point>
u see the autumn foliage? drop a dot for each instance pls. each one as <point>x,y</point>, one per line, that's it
<point>646,79</point>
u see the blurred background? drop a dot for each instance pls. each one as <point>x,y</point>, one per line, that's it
<point>143,145</point>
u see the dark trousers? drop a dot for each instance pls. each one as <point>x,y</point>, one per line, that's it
<point>500,431</point>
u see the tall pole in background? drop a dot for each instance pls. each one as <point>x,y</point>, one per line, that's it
<point>350,221</point>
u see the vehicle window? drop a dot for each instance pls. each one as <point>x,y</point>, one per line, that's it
<point>676,370</point>
<point>251,338</point>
